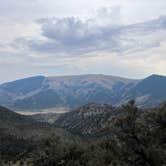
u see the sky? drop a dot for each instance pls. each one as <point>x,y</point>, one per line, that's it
<point>124,37</point>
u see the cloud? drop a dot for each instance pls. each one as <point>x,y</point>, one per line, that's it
<point>132,11</point>
<point>124,38</point>
<point>74,37</point>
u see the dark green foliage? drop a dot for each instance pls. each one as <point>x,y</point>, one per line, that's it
<point>140,137</point>
<point>89,120</point>
<point>137,138</point>
<point>57,152</point>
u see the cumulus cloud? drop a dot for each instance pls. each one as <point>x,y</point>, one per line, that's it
<point>89,42</point>
<point>72,36</point>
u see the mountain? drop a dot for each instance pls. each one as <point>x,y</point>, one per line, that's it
<point>149,92</point>
<point>38,93</point>
<point>10,92</point>
<point>67,91</point>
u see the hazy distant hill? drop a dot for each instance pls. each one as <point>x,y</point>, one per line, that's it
<point>149,92</point>
<point>70,91</point>
<point>73,91</point>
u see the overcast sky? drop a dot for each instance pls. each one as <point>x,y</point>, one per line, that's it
<point>58,37</point>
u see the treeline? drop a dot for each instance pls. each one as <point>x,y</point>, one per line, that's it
<point>137,138</point>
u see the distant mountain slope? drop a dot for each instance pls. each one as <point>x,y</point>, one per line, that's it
<point>67,91</point>
<point>19,89</point>
<point>24,86</point>
<point>37,93</point>
<point>149,92</point>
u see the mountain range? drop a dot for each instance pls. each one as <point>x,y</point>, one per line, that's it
<point>70,92</point>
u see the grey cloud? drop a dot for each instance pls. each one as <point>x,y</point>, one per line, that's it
<point>72,36</point>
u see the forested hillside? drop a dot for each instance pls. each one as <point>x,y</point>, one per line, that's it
<point>136,137</point>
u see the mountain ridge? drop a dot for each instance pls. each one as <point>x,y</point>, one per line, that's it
<point>40,92</point>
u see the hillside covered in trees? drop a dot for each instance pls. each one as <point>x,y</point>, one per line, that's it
<point>134,138</point>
